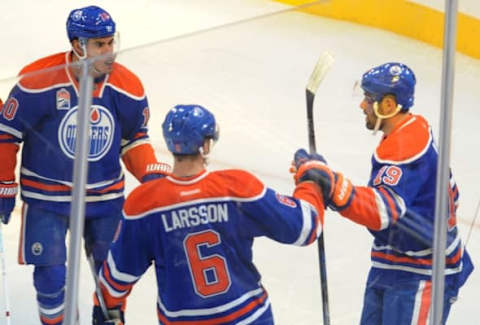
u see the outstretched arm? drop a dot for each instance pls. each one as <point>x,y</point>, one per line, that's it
<point>139,159</point>
<point>129,257</point>
<point>373,207</point>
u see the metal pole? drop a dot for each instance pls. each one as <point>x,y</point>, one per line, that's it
<point>77,212</point>
<point>443,177</point>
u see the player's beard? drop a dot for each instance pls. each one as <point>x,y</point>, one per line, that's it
<point>370,121</point>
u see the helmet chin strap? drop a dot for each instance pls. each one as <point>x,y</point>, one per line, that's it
<point>380,116</point>
<point>83,43</point>
<point>205,156</point>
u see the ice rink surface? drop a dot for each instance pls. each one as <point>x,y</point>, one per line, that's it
<point>253,76</point>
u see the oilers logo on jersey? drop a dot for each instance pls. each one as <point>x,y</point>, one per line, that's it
<point>101,132</point>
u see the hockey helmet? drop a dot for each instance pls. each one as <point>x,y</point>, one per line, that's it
<point>390,78</point>
<point>89,22</point>
<point>187,126</point>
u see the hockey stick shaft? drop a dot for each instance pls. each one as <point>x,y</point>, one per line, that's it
<point>321,68</point>
<point>4,277</point>
<point>98,291</point>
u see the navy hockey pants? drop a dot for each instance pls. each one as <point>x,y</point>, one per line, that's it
<point>43,245</point>
<point>403,303</point>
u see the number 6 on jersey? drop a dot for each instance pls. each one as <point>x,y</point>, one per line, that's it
<point>209,273</point>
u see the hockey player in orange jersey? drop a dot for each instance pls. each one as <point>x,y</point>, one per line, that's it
<point>397,207</point>
<point>41,112</point>
<point>197,227</point>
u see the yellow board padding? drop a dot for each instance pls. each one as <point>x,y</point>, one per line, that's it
<point>400,16</point>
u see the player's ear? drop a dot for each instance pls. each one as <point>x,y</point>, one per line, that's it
<point>207,145</point>
<point>389,104</point>
<point>77,47</point>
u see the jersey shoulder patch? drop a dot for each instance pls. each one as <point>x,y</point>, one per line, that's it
<point>408,142</point>
<point>44,72</point>
<point>126,82</point>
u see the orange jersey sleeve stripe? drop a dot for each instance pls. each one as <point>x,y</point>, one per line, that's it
<point>8,157</point>
<point>313,235</point>
<point>115,285</point>
<point>390,202</point>
<point>311,193</point>
<point>111,301</point>
<point>363,208</point>
<point>138,158</point>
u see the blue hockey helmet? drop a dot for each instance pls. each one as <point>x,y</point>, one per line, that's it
<point>89,22</point>
<point>390,78</point>
<point>186,127</point>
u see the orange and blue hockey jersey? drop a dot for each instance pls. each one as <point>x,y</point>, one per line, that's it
<point>398,208</point>
<point>199,233</point>
<point>41,111</point>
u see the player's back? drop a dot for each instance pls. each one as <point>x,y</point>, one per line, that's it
<point>199,232</point>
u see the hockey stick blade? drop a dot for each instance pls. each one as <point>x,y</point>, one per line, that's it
<point>324,62</point>
<point>321,68</point>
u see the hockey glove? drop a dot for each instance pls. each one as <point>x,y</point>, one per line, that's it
<point>313,167</point>
<point>8,191</point>
<point>116,316</point>
<point>336,189</point>
<point>158,170</point>
<point>343,191</point>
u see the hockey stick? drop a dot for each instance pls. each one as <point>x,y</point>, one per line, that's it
<point>321,68</point>
<point>98,291</point>
<point>4,277</point>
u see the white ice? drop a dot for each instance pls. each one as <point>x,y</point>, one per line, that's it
<point>253,76</point>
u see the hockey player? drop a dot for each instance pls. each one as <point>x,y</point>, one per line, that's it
<point>41,111</point>
<point>397,206</point>
<point>198,228</point>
